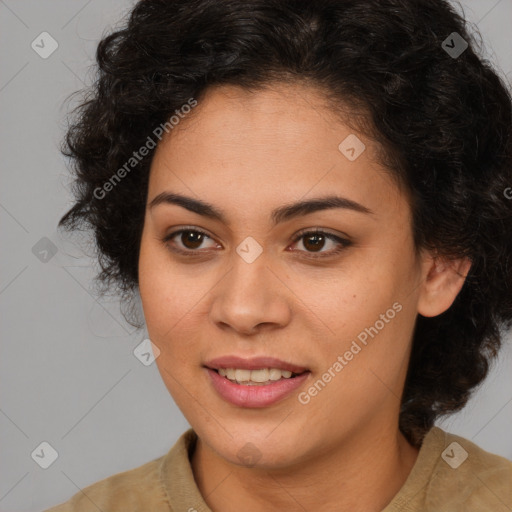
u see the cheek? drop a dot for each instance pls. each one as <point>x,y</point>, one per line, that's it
<point>160,282</point>
<point>161,290</point>
<point>369,316</point>
<point>349,300</point>
<point>171,297</point>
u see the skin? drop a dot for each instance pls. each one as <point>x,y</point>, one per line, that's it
<point>247,153</point>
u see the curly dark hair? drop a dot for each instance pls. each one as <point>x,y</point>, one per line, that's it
<point>443,120</point>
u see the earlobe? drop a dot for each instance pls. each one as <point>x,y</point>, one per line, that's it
<point>443,279</point>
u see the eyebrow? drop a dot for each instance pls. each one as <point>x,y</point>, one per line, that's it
<point>280,214</point>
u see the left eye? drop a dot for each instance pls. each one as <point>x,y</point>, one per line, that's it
<point>189,240</point>
<point>315,241</point>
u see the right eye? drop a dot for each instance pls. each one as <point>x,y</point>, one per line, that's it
<point>188,240</point>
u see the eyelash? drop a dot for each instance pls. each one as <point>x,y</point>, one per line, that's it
<point>343,242</point>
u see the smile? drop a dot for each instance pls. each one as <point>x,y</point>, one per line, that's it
<point>261,377</point>
<point>255,388</point>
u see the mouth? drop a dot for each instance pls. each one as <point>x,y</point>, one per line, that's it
<point>240,386</point>
<point>255,382</point>
<point>258,377</point>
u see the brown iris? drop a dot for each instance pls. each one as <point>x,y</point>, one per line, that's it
<point>314,242</point>
<point>192,239</point>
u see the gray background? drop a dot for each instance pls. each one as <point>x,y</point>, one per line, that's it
<point>69,375</point>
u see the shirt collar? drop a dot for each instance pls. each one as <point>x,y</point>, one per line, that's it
<point>183,494</point>
<point>177,477</point>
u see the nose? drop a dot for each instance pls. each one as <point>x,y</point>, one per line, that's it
<point>251,298</point>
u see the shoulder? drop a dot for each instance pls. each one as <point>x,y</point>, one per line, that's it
<point>466,475</point>
<point>150,487</point>
<point>134,490</point>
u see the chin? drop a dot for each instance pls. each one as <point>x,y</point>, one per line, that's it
<point>247,447</point>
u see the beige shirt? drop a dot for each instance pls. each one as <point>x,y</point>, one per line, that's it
<point>451,474</point>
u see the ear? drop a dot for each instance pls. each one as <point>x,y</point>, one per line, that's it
<point>442,281</point>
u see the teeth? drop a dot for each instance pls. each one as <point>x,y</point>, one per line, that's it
<point>254,377</point>
<point>242,375</point>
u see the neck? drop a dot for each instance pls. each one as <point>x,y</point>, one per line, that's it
<point>364,472</point>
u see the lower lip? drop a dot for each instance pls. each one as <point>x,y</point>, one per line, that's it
<point>255,396</point>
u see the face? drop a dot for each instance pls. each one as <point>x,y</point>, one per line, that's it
<point>331,289</point>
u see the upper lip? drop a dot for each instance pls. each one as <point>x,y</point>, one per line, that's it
<point>253,363</point>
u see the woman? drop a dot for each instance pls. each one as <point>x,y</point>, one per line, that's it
<point>311,199</point>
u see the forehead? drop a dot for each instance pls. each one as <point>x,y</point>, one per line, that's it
<point>267,146</point>
<point>280,116</point>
